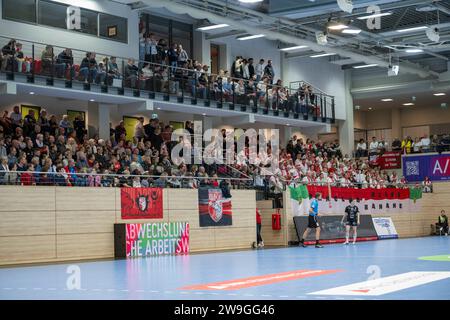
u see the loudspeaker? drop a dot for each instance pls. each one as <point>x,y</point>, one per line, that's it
<point>120,241</point>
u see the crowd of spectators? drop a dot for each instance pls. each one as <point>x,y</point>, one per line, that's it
<point>408,145</point>
<point>170,70</point>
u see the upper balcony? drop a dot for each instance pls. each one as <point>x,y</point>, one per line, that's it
<point>45,65</point>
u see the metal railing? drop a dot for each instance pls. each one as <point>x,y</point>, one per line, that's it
<point>69,179</point>
<point>163,81</point>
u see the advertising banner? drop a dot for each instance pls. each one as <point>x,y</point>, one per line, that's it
<point>151,239</point>
<point>214,209</point>
<point>390,160</point>
<point>333,229</point>
<point>435,167</point>
<point>385,228</point>
<point>141,203</point>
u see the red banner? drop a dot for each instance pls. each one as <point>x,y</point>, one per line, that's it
<point>390,160</point>
<point>353,193</point>
<point>141,203</point>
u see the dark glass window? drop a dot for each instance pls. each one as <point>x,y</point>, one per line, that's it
<point>52,14</point>
<point>21,10</point>
<point>113,27</point>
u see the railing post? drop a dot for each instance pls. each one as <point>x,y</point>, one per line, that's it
<point>30,78</point>
<point>233,88</point>
<point>121,91</point>
<point>332,111</point>
<point>324,114</point>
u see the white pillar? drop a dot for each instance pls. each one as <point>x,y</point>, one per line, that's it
<point>346,127</point>
<point>103,121</point>
<point>202,48</point>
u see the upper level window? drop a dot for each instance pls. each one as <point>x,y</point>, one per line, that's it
<point>57,15</point>
<point>21,10</point>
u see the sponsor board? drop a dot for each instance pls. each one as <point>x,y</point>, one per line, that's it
<point>385,228</point>
<point>435,167</point>
<point>385,285</point>
<point>332,228</point>
<point>260,280</point>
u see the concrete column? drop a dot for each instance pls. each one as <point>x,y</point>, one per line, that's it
<point>202,48</point>
<point>396,123</point>
<point>103,121</point>
<point>346,127</point>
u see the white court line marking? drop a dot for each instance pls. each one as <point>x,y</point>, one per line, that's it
<point>232,294</point>
<point>21,288</point>
<point>266,295</point>
<point>96,289</point>
<point>168,292</point>
<point>37,288</point>
<point>7,288</point>
<point>125,290</point>
<point>139,290</point>
<point>249,295</point>
<point>301,297</point>
<point>183,292</point>
<point>51,289</point>
<point>284,296</point>
<point>110,290</point>
<point>154,291</point>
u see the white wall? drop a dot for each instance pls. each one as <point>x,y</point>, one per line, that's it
<point>75,40</point>
<point>322,75</point>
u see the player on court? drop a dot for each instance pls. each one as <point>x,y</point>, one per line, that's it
<point>351,212</point>
<point>313,223</point>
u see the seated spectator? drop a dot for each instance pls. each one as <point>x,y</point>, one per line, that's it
<point>444,144</point>
<point>20,59</point>
<point>131,73</point>
<point>48,60</point>
<point>442,223</point>
<point>161,182</point>
<point>64,62</point>
<point>88,68</point>
<point>427,185</point>
<point>113,69</point>
<point>102,71</point>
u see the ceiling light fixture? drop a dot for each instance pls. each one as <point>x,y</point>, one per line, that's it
<point>376,15</point>
<point>31,92</point>
<point>413,50</point>
<point>439,94</point>
<point>293,48</point>
<point>91,100</point>
<point>337,26</point>
<point>412,29</point>
<point>251,37</point>
<point>351,31</point>
<point>408,104</point>
<point>387,100</point>
<point>322,55</point>
<point>370,108</point>
<point>214,26</point>
<point>250,1</point>
<point>365,66</point>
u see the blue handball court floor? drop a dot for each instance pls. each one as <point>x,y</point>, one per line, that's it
<point>384,269</point>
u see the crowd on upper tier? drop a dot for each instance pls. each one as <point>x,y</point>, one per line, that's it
<point>169,69</point>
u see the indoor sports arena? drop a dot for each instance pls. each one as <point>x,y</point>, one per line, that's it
<point>245,151</point>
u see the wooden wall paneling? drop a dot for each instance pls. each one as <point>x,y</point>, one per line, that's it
<point>232,238</point>
<point>85,245</point>
<point>86,198</point>
<point>27,198</point>
<point>14,249</point>
<point>74,222</point>
<point>27,223</point>
<point>201,239</point>
<point>182,199</point>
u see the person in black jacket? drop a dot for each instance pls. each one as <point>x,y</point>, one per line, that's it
<point>8,52</point>
<point>225,186</point>
<point>88,67</point>
<point>131,73</point>
<point>64,62</point>
<point>251,68</point>
<point>79,127</point>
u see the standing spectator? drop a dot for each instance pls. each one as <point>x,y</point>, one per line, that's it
<point>425,143</point>
<point>120,131</point>
<point>259,240</point>
<point>251,69</point>
<point>416,145</point>
<point>139,132</point>
<point>259,70</point>
<point>396,145</point>
<point>172,54</point>
<point>8,52</point>
<point>361,149</point>
<point>245,71</point>
<point>65,124</point>
<point>29,122</point>
<point>182,56</point>
<point>407,144</point>
<point>373,147</point>
<point>269,72</point>
<point>79,127</point>
<point>16,118</point>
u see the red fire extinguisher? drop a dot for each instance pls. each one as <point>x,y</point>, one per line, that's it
<point>276,220</point>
